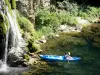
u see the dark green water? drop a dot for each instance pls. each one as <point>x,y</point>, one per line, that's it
<point>89,65</point>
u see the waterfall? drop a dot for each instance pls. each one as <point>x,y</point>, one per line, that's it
<point>6,48</point>
<point>17,42</point>
<point>3,64</point>
<point>4,67</point>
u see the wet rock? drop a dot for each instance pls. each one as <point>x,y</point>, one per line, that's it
<point>68,29</point>
<point>15,57</point>
<point>82,21</point>
<point>32,61</point>
<point>33,55</point>
<point>62,28</point>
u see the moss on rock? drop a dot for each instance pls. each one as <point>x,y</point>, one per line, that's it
<point>8,4</point>
<point>3,24</point>
<point>29,33</point>
<point>13,4</point>
<point>33,47</point>
<point>26,57</point>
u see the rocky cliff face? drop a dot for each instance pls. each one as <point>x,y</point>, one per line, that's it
<point>28,7</point>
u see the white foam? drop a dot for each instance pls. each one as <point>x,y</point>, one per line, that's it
<point>4,68</point>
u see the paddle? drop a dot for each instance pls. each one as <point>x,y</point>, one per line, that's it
<point>68,57</point>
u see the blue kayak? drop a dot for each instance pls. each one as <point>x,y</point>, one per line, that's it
<point>58,58</point>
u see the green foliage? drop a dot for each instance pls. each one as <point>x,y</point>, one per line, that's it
<point>48,22</point>
<point>93,11</point>
<point>83,14</point>
<point>45,30</point>
<point>86,12</point>
<point>69,6</point>
<point>26,57</point>
<point>90,12</point>
<point>46,18</point>
<point>2,29</point>
<point>72,21</point>
<point>26,26</point>
<point>28,31</point>
<point>13,4</point>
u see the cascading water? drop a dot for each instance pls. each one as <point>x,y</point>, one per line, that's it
<point>6,46</point>
<point>4,67</point>
<point>16,44</point>
<point>17,41</point>
<point>3,64</point>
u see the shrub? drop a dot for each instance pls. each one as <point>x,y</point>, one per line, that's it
<point>72,21</point>
<point>71,7</point>
<point>83,14</point>
<point>45,30</point>
<point>53,19</point>
<point>46,18</point>
<point>25,24</point>
<point>93,11</point>
<point>86,12</point>
<point>90,12</point>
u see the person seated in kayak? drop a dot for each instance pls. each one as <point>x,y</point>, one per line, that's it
<point>67,56</point>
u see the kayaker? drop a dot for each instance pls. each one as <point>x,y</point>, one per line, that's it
<point>67,56</point>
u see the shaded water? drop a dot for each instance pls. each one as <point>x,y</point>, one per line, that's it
<point>6,47</point>
<point>89,64</point>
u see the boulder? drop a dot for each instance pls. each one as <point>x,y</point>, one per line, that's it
<point>32,61</point>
